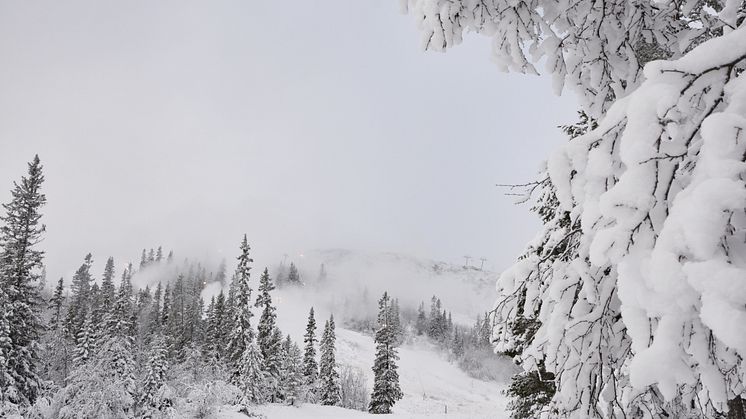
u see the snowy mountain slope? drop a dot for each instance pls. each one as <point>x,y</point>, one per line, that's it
<point>354,281</point>
<point>429,382</point>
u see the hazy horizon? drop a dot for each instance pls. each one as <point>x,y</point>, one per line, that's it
<point>188,124</point>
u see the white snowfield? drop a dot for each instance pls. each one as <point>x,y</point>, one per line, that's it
<point>429,382</point>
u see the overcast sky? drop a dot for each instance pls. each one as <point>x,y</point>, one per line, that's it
<point>305,124</point>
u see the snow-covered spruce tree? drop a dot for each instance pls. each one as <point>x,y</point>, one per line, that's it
<point>421,323</point>
<point>166,309</point>
<point>85,342</point>
<point>645,317</point>
<point>108,291</point>
<point>118,320</point>
<point>252,379</point>
<point>293,275</point>
<point>97,309</point>
<point>291,372</point>
<point>310,367</point>
<point>104,387</point>
<point>55,304</point>
<point>5,350</point>
<point>151,391</point>
<point>219,327</point>
<point>269,338</point>
<point>386,390</point>
<point>77,310</point>
<point>56,352</point>
<point>143,259</point>
<point>457,343</point>
<point>436,327</point>
<point>241,334</point>
<point>328,374</point>
<point>281,275</point>
<point>176,328</point>
<point>272,365</point>
<point>20,268</point>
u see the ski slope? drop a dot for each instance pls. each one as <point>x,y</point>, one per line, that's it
<point>431,385</point>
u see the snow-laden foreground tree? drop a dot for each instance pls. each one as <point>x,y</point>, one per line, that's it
<point>637,283</point>
<point>20,271</point>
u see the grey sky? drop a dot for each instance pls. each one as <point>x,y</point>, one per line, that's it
<point>306,124</point>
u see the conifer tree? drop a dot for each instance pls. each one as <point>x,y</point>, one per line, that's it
<point>96,307</point>
<point>20,267</point>
<point>85,341</point>
<point>241,334</point>
<point>220,276</point>
<point>291,367</point>
<point>281,275</point>
<point>6,347</point>
<point>80,298</point>
<point>269,337</point>
<point>293,275</point>
<point>434,326</point>
<point>457,344</point>
<point>143,259</point>
<point>219,326</point>
<point>108,290</point>
<point>251,376</point>
<point>166,310</point>
<point>175,328</point>
<point>103,387</point>
<point>55,303</point>
<point>485,332</point>
<point>159,254</point>
<point>421,322</point>
<point>266,325</point>
<point>56,351</point>
<point>386,390</point>
<point>119,319</point>
<point>329,391</point>
<point>310,367</point>
<point>155,377</point>
<point>272,364</point>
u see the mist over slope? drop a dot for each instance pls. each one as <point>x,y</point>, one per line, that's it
<point>466,291</point>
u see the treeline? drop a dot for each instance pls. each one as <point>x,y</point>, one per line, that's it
<point>139,351</point>
<point>469,347</point>
<point>101,349</point>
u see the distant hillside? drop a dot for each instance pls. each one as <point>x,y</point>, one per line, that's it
<point>467,291</point>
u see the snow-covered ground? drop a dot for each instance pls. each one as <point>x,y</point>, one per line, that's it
<point>431,385</point>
